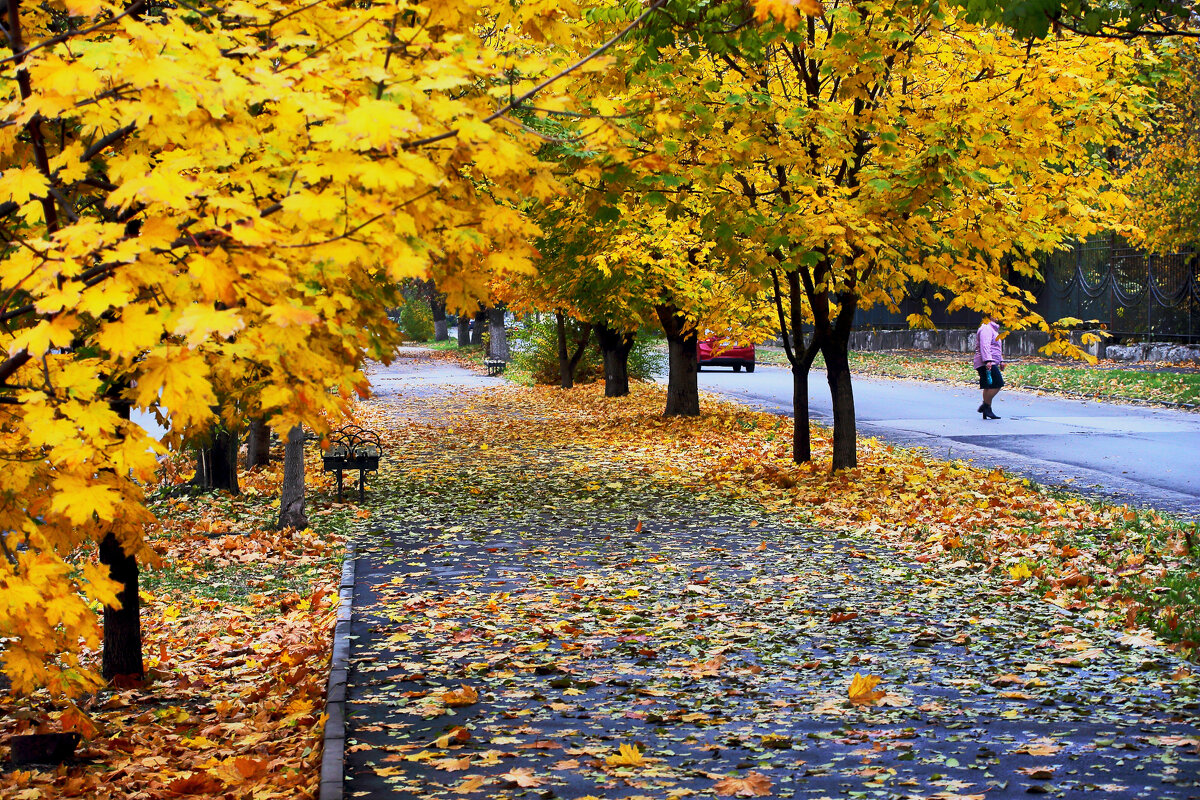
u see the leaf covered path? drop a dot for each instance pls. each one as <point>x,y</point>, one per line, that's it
<point>548,618</point>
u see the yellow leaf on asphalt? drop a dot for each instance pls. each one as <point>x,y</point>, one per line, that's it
<point>627,756</point>
<point>862,690</point>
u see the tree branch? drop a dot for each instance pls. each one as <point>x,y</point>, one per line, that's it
<point>517,101</point>
<point>62,37</point>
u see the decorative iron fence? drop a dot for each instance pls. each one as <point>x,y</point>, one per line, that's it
<point>1134,294</point>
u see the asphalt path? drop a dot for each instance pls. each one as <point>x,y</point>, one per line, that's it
<point>1131,454</point>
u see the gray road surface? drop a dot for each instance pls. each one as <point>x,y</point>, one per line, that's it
<point>1143,456</point>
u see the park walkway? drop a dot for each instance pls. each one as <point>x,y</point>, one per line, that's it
<point>543,620</point>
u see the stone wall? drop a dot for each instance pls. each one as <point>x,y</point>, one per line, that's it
<point>1154,351</point>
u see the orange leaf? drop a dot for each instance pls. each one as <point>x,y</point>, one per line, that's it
<point>523,777</point>
<point>470,784</point>
<point>73,719</point>
<point>753,785</point>
<point>196,783</point>
<point>461,697</point>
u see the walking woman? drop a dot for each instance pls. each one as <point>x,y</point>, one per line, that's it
<point>989,361</point>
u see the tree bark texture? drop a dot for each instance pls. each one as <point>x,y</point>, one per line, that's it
<point>801,357</point>
<point>845,431</point>
<point>291,500</point>
<point>615,346</point>
<point>683,364</point>
<point>441,330</point>
<point>497,336</point>
<point>258,444</point>
<point>481,317</point>
<point>122,626</point>
<point>464,330</point>
<point>568,362</point>
<point>216,464</point>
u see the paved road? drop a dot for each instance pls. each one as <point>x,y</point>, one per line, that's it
<point>1145,456</point>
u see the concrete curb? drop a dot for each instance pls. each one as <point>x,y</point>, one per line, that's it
<point>333,758</point>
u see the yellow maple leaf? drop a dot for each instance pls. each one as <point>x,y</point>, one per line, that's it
<point>1020,572</point>
<point>19,184</point>
<point>862,690</point>
<point>627,756</point>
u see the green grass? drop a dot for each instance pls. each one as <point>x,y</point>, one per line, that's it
<point>1102,381</point>
<point>450,344</point>
<point>234,584</point>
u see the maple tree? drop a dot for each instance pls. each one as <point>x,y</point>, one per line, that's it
<point>205,214</point>
<point>865,147</point>
<point>1165,184</point>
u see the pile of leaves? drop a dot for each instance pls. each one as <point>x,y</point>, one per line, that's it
<point>237,627</point>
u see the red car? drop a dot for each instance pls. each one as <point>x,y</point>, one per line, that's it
<point>718,352</point>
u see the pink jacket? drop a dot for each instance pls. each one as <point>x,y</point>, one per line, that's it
<point>988,346</point>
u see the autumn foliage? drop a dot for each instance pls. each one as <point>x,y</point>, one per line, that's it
<point>205,216</point>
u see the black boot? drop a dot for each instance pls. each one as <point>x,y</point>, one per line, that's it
<point>987,412</point>
<point>982,406</point>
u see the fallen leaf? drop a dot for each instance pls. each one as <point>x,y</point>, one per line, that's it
<point>471,783</point>
<point>460,697</point>
<point>862,690</point>
<point>523,777</point>
<point>753,785</point>
<point>627,756</point>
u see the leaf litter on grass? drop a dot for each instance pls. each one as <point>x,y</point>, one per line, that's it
<point>237,623</point>
<point>608,585</point>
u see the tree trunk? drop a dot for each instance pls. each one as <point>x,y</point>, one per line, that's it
<point>497,336</point>
<point>216,464</point>
<point>568,362</point>
<point>683,363</point>
<point>464,330</point>
<point>291,500</point>
<point>258,444</point>
<point>615,346</point>
<point>122,653</point>
<point>801,423</point>
<point>801,357</point>
<point>845,433</point>
<point>122,626</point>
<point>481,317</point>
<point>441,331</point>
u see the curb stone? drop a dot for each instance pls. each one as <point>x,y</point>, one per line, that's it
<point>334,751</point>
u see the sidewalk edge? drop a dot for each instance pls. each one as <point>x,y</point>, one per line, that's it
<point>333,754</point>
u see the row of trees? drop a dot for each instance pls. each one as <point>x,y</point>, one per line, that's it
<point>809,160</point>
<point>206,212</point>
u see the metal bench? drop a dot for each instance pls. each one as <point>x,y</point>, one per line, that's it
<point>352,447</point>
<point>495,366</point>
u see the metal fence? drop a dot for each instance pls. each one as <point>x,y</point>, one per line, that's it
<point>1134,294</point>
